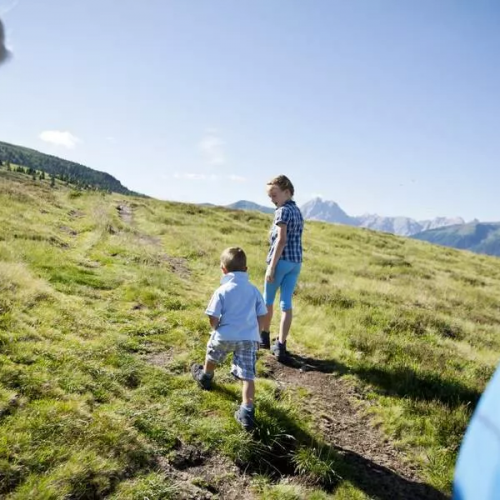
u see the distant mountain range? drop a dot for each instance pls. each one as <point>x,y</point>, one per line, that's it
<point>329,211</point>
<point>478,237</point>
<point>250,205</point>
<point>453,232</point>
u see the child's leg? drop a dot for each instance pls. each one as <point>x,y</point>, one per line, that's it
<point>285,324</point>
<point>248,392</point>
<point>265,334</point>
<point>270,290</point>
<point>268,318</point>
<point>287,288</point>
<point>244,358</point>
<point>288,284</point>
<point>209,367</point>
<point>216,352</point>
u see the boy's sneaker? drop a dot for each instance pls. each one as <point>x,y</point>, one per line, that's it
<point>265,340</point>
<point>246,418</point>
<point>279,350</point>
<point>201,377</point>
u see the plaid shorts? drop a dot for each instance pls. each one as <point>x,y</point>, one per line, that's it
<point>244,356</point>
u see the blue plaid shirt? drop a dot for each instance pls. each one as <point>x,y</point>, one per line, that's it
<point>290,215</point>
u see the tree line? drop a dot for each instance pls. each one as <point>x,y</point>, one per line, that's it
<point>67,171</point>
<point>40,175</point>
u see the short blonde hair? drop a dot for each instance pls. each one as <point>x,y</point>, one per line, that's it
<point>234,259</point>
<point>283,182</point>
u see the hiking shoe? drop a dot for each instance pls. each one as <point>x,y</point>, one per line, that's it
<point>265,340</point>
<point>279,350</point>
<point>246,418</point>
<point>201,377</point>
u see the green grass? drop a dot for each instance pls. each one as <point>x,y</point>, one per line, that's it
<point>87,300</point>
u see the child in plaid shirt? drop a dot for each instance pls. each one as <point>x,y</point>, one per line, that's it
<point>284,261</point>
<point>236,313</point>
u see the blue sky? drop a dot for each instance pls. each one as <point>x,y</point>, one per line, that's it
<point>383,106</point>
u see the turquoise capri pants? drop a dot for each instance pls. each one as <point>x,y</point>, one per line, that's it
<point>285,278</point>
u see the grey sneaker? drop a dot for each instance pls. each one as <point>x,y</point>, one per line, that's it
<point>265,340</point>
<point>199,375</point>
<point>279,350</point>
<point>245,418</point>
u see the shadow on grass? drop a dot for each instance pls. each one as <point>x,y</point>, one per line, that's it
<point>401,382</point>
<point>278,437</point>
<point>380,482</point>
<point>376,481</point>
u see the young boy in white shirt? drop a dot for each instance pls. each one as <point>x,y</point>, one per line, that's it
<point>236,313</point>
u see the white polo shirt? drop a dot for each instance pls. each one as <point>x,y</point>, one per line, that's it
<point>237,303</point>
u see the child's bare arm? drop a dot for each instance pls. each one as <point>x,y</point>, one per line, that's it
<point>278,250</point>
<point>214,322</point>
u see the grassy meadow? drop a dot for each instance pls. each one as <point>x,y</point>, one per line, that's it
<point>101,313</point>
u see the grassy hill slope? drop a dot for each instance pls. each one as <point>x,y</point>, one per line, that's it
<point>478,237</point>
<point>53,165</point>
<point>101,314</point>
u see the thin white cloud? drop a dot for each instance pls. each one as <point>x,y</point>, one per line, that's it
<point>195,177</point>
<point>111,139</point>
<point>212,148</point>
<point>237,178</point>
<point>58,138</point>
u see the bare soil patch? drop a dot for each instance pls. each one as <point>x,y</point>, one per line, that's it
<point>203,477</point>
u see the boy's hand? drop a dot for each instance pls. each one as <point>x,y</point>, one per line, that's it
<point>269,274</point>
<point>214,322</point>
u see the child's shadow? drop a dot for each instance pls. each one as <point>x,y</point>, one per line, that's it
<point>403,382</point>
<point>305,363</point>
<point>375,480</point>
<point>276,452</point>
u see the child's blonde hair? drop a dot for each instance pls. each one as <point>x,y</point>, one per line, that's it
<point>234,259</point>
<point>283,182</point>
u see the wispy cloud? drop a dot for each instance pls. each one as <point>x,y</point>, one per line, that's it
<point>195,177</point>
<point>237,178</point>
<point>58,138</point>
<point>212,147</point>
